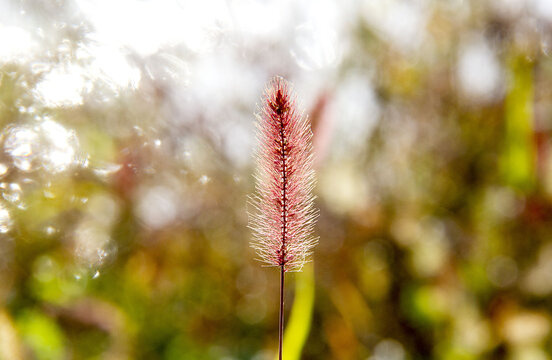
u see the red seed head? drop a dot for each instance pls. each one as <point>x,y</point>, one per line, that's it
<point>284,215</point>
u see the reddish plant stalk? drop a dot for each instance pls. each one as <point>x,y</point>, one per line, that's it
<point>284,215</point>
<point>281,315</point>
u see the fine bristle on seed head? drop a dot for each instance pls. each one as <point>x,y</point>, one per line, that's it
<point>283,214</point>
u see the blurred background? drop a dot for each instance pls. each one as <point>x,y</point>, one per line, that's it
<point>127,133</point>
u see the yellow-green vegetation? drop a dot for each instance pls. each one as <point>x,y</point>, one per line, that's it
<point>126,140</point>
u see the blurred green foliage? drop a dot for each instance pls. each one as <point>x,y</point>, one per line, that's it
<point>123,208</point>
<point>519,152</point>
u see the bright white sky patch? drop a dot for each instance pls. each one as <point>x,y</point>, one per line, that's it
<point>20,143</point>
<point>110,65</point>
<point>317,42</point>
<point>478,71</point>
<point>60,152</point>
<point>62,87</point>
<point>48,145</point>
<point>542,9</point>
<point>116,69</point>
<point>16,44</point>
<point>157,206</point>
<point>258,18</point>
<point>358,109</point>
<point>314,47</point>
<point>403,23</point>
<point>147,26</point>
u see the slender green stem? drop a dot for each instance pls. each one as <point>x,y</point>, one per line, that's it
<point>281,324</point>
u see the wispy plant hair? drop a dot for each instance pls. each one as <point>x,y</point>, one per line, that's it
<point>284,215</point>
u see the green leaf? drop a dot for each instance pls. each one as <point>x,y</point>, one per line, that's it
<point>42,335</point>
<point>298,328</point>
<point>518,158</point>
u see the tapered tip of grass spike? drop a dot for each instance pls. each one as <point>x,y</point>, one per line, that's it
<point>283,215</point>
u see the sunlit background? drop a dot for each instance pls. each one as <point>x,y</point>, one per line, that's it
<point>127,133</point>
